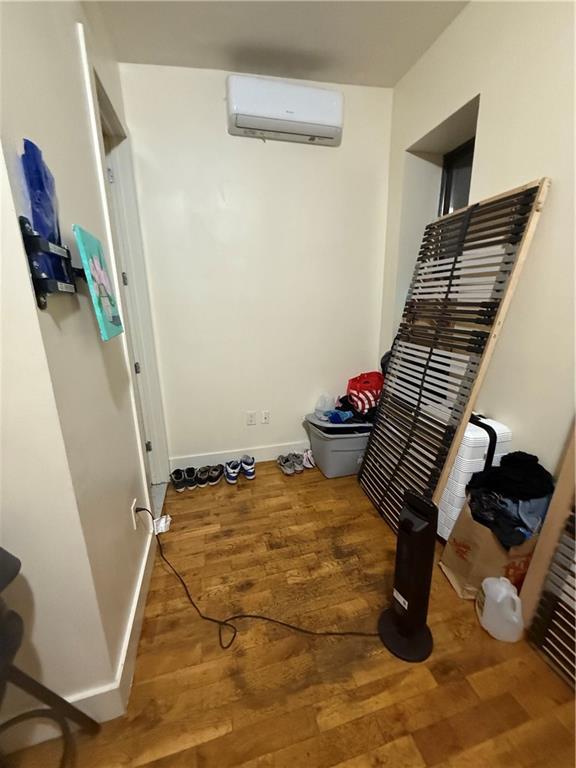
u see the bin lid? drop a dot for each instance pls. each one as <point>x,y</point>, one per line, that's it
<point>475,435</point>
<point>357,426</point>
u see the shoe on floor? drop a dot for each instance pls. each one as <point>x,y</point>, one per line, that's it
<point>231,471</point>
<point>178,479</point>
<point>202,476</point>
<point>248,467</point>
<point>190,475</point>
<point>216,474</point>
<point>298,461</point>
<point>309,462</point>
<point>286,465</point>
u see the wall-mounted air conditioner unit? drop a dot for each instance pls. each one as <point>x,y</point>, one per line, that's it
<point>266,108</point>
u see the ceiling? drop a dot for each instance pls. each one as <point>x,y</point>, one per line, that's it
<point>364,43</point>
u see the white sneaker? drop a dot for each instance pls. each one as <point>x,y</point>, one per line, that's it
<point>308,459</point>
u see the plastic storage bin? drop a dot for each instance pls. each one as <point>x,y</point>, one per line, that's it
<point>470,458</point>
<point>339,452</point>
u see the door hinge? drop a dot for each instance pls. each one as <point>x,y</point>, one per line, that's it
<point>124,278</point>
<point>148,446</point>
<point>137,367</point>
<point>110,174</point>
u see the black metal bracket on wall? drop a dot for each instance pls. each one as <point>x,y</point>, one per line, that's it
<point>36,245</point>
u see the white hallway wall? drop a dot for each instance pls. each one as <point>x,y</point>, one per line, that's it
<point>265,259</point>
<point>519,58</point>
<point>70,462</point>
<point>39,522</point>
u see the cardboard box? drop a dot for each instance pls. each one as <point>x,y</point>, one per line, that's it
<point>473,552</point>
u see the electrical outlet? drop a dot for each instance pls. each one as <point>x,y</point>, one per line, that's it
<point>265,417</point>
<point>250,418</point>
<point>133,512</point>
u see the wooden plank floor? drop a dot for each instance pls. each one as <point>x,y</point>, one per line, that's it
<point>313,551</point>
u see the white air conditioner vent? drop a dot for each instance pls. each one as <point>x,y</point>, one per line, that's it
<point>266,108</point>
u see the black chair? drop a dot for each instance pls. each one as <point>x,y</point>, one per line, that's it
<point>11,634</point>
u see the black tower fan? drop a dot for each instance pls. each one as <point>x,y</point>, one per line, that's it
<point>402,627</point>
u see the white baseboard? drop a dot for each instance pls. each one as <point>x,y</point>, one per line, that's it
<point>127,663</point>
<point>260,453</point>
<point>103,702</point>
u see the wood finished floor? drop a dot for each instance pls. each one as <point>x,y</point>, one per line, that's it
<point>313,551</point>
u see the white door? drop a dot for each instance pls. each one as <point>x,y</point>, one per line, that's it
<point>136,301</point>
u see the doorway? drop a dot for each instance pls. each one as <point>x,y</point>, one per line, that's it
<point>131,268</point>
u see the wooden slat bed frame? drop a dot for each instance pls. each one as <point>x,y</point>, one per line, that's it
<point>465,276</point>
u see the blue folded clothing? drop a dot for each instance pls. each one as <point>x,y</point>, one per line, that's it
<point>339,417</point>
<point>512,521</point>
<point>512,499</point>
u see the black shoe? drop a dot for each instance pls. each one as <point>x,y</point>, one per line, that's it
<point>202,477</point>
<point>216,474</point>
<point>178,480</point>
<point>190,475</point>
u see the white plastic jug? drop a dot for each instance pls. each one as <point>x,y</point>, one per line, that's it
<point>500,609</point>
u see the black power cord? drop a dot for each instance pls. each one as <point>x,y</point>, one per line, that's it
<point>67,759</point>
<point>227,622</point>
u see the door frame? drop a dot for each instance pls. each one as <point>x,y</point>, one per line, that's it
<point>121,186</point>
<point>130,263</point>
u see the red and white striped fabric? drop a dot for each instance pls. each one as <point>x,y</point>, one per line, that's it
<point>363,401</point>
<point>364,391</point>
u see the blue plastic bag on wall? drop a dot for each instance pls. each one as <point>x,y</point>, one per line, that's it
<point>42,192</point>
<point>44,210</point>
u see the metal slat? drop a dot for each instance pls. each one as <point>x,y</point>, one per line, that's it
<point>434,385</point>
<point>553,629</point>
<point>438,359</point>
<point>433,376</point>
<point>404,422</point>
<point>511,233</point>
<point>415,466</point>
<point>466,263</point>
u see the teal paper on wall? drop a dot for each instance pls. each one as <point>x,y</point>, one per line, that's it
<point>99,283</point>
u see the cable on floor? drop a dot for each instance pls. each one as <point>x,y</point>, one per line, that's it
<point>226,624</point>
<point>68,747</point>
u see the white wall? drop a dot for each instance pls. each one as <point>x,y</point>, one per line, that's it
<point>55,593</point>
<point>265,259</point>
<point>70,475</point>
<point>519,58</point>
